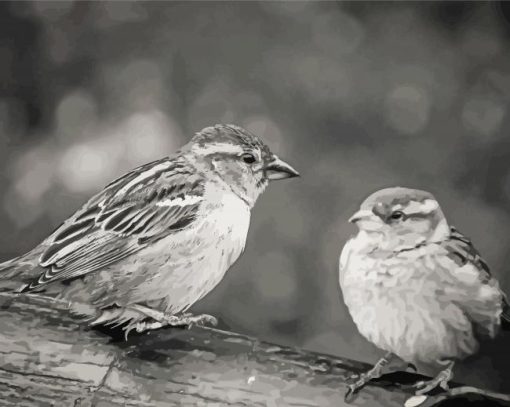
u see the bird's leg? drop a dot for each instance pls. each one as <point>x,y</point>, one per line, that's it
<point>189,320</point>
<point>160,319</point>
<point>441,380</point>
<point>374,373</point>
<point>176,320</point>
<point>149,312</point>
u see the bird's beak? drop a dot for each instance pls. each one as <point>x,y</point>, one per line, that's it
<point>278,169</point>
<point>361,214</point>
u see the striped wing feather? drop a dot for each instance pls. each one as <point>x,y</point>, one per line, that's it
<point>462,250</point>
<point>139,208</point>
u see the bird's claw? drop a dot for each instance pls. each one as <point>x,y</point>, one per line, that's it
<point>350,394</point>
<point>359,382</point>
<point>424,387</point>
<point>187,320</point>
<point>198,320</point>
<point>140,327</point>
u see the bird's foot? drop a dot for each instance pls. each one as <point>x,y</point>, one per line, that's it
<point>359,382</point>
<point>160,319</point>
<point>174,320</point>
<point>190,320</point>
<point>441,380</point>
<point>142,327</point>
<point>362,379</point>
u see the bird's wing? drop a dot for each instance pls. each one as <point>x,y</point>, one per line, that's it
<point>461,249</point>
<point>143,206</point>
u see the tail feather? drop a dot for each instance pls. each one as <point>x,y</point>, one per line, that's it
<point>15,273</point>
<point>505,322</point>
<point>505,315</point>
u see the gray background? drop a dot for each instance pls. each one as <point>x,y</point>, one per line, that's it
<point>357,96</point>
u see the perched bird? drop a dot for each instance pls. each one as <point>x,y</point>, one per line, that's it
<point>416,287</point>
<point>159,238</point>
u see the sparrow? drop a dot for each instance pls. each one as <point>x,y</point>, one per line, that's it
<point>156,240</point>
<point>416,287</point>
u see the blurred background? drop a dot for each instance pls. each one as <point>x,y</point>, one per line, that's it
<point>357,96</point>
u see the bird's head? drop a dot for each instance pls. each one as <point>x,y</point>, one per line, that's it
<point>239,158</point>
<point>401,218</point>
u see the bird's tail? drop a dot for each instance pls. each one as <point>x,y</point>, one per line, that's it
<point>16,272</point>
<point>505,321</point>
<point>505,315</point>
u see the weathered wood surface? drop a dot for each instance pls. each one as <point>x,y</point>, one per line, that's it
<point>47,359</point>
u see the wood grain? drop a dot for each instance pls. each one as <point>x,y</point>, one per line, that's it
<point>48,359</point>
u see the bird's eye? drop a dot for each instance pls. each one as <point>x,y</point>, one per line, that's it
<point>248,158</point>
<point>397,215</point>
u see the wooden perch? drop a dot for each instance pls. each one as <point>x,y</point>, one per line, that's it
<point>48,359</point>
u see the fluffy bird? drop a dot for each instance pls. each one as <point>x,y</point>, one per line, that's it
<point>157,239</point>
<point>416,287</point>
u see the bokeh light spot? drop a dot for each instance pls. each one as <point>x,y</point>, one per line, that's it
<point>82,168</point>
<point>407,109</point>
<point>149,135</point>
<point>483,115</point>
